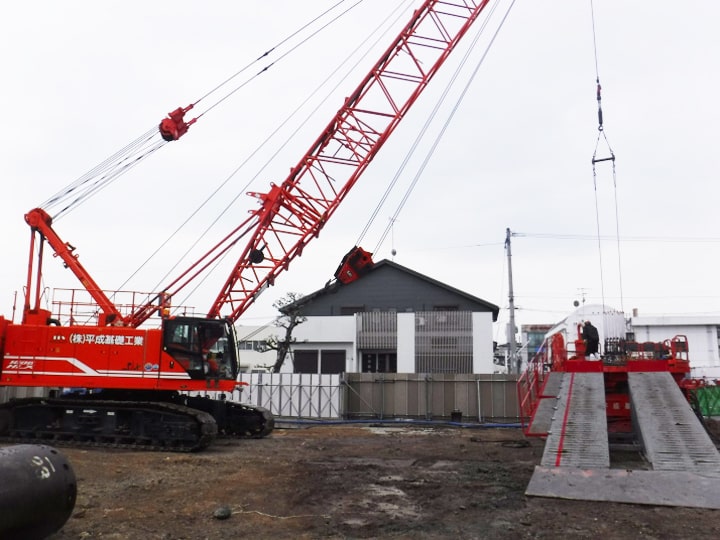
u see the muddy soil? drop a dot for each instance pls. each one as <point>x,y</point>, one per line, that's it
<point>349,481</point>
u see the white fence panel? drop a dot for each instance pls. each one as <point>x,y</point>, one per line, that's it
<point>293,395</point>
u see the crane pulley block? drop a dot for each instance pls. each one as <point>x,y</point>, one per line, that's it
<point>174,126</point>
<point>354,265</point>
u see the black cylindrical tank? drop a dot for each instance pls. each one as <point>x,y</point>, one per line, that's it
<point>37,491</point>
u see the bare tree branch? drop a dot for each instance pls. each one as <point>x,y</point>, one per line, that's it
<point>290,317</point>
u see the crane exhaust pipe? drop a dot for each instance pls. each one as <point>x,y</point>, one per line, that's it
<point>37,491</point>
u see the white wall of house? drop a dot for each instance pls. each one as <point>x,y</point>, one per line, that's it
<point>327,329</point>
<point>405,343</point>
<point>327,332</point>
<point>482,343</point>
<point>701,333</point>
<point>339,333</point>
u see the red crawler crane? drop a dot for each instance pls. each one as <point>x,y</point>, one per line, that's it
<point>143,371</point>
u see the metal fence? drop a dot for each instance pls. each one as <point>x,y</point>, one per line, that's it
<point>474,398</point>
<point>294,395</point>
<point>469,397</point>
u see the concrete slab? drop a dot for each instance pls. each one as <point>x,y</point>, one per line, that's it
<point>660,488</point>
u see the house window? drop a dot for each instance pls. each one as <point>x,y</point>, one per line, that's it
<point>330,361</point>
<point>379,362</point>
<point>258,346</point>
<point>305,361</point>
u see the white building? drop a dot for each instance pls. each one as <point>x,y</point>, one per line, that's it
<point>390,320</point>
<point>702,333</point>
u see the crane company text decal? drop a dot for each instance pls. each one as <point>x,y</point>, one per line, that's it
<point>106,339</point>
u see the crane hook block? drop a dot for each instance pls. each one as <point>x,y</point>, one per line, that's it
<point>174,126</point>
<point>354,265</point>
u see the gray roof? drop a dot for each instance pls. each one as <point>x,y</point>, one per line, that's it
<point>391,286</point>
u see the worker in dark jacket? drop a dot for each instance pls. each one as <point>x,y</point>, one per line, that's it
<point>591,337</point>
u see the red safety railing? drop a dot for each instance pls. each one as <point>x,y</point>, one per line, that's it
<point>551,356</point>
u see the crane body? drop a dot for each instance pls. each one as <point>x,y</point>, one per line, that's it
<point>139,366</point>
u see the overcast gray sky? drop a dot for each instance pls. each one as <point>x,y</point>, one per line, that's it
<point>82,79</point>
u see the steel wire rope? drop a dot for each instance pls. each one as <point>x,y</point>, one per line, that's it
<point>108,164</point>
<point>90,191</point>
<point>599,243</point>
<point>123,160</point>
<point>94,171</point>
<point>397,12</point>
<point>388,21</point>
<point>126,164</point>
<point>595,160</point>
<point>282,56</point>
<point>271,49</point>
<point>450,117</point>
<point>104,181</point>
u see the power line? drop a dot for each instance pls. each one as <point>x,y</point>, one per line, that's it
<point>559,236</point>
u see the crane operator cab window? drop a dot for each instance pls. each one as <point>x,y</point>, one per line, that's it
<point>203,347</point>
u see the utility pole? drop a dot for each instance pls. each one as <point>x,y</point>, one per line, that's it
<point>511,360</point>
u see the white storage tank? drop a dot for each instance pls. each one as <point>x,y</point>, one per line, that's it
<point>610,323</point>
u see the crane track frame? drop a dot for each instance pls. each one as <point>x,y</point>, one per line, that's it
<point>138,425</point>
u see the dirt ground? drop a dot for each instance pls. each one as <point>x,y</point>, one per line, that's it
<point>349,481</point>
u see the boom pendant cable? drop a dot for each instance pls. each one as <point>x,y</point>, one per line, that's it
<point>427,124</point>
<point>371,40</point>
<point>596,160</point>
<point>172,127</point>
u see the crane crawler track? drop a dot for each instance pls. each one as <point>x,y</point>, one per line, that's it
<point>234,420</point>
<point>138,425</point>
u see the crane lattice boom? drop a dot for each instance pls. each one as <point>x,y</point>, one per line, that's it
<point>292,213</point>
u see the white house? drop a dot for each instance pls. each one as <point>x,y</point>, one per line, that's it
<point>392,320</point>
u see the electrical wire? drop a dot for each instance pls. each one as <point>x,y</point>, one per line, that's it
<point>669,239</point>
